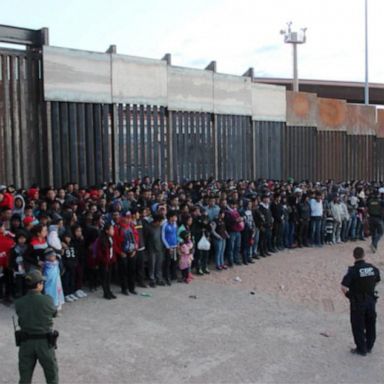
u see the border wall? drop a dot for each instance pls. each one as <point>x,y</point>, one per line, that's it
<point>72,115</point>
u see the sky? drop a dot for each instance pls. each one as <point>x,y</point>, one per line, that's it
<point>238,34</point>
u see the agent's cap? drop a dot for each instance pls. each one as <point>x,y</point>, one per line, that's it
<point>34,277</point>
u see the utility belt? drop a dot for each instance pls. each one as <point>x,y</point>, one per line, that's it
<point>51,337</point>
<point>357,298</point>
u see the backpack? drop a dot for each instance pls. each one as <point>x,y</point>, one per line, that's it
<point>128,245</point>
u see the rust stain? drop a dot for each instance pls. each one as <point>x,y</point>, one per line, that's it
<point>332,113</point>
<point>301,105</point>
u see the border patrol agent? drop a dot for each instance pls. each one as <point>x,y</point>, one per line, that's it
<point>36,339</point>
<point>375,210</point>
<point>358,286</point>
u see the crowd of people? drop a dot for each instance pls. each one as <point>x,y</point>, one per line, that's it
<point>154,233</point>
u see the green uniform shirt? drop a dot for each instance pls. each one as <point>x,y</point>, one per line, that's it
<point>35,312</point>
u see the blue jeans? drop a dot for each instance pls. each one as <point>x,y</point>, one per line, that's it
<point>255,242</point>
<point>233,247</point>
<point>219,248</point>
<point>353,226</point>
<point>291,234</point>
<point>316,230</point>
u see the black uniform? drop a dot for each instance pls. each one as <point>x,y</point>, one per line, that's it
<point>376,228</point>
<point>361,280</point>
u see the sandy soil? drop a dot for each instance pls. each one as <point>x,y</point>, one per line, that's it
<point>293,329</point>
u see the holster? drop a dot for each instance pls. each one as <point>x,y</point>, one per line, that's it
<point>20,336</point>
<point>52,338</point>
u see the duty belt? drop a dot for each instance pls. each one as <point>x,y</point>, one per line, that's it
<point>36,337</point>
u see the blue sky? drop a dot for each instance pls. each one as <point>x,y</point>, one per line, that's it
<point>237,34</point>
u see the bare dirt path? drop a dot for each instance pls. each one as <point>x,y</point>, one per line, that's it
<point>293,329</point>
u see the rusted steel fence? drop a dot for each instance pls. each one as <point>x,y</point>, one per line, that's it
<point>85,125</point>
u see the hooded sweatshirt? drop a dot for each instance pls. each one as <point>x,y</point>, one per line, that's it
<point>53,238</point>
<point>19,211</point>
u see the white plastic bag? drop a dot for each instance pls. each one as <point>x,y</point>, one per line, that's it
<point>203,244</point>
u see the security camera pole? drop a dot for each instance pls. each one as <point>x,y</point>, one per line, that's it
<point>294,38</point>
<point>366,85</point>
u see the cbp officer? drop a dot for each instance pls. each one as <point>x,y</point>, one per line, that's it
<point>375,210</point>
<point>35,312</point>
<point>358,286</point>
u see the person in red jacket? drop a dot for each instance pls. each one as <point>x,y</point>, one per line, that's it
<point>6,199</point>
<point>125,245</point>
<point>105,255</point>
<point>6,244</point>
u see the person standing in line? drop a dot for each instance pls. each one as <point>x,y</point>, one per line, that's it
<point>105,255</point>
<point>316,205</point>
<point>169,237</point>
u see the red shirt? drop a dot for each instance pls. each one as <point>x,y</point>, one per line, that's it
<point>8,201</point>
<point>6,244</point>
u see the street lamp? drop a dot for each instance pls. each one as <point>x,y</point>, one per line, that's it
<point>366,84</point>
<point>294,38</point>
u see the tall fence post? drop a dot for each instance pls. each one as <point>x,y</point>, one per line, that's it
<point>169,116</point>
<point>115,143</point>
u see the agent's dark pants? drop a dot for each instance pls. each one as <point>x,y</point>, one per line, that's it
<point>363,322</point>
<point>32,351</point>
<point>376,229</point>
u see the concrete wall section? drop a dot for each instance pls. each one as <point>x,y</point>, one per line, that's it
<point>301,109</point>
<point>268,102</point>
<point>331,115</point>
<point>380,123</point>
<point>361,119</point>
<point>190,89</point>
<point>74,75</point>
<point>138,80</point>
<point>232,94</point>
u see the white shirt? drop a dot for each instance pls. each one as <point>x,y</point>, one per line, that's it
<point>316,208</point>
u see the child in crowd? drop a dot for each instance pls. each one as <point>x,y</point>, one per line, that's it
<point>105,255</point>
<point>185,256</point>
<point>17,264</point>
<point>6,244</point>
<point>51,272</point>
<point>80,250</point>
<point>69,259</point>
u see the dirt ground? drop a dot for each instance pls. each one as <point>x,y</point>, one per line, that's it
<point>281,320</point>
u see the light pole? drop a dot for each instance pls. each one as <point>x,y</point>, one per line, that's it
<point>366,86</point>
<point>294,38</point>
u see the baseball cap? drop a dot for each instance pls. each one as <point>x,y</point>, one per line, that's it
<point>49,252</point>
<point>28,220</point>
<point>34,277</point>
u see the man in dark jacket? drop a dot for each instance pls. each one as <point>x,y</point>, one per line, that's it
<point>358,286</point>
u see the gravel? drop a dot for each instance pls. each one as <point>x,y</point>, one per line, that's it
<point>283,321</point>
